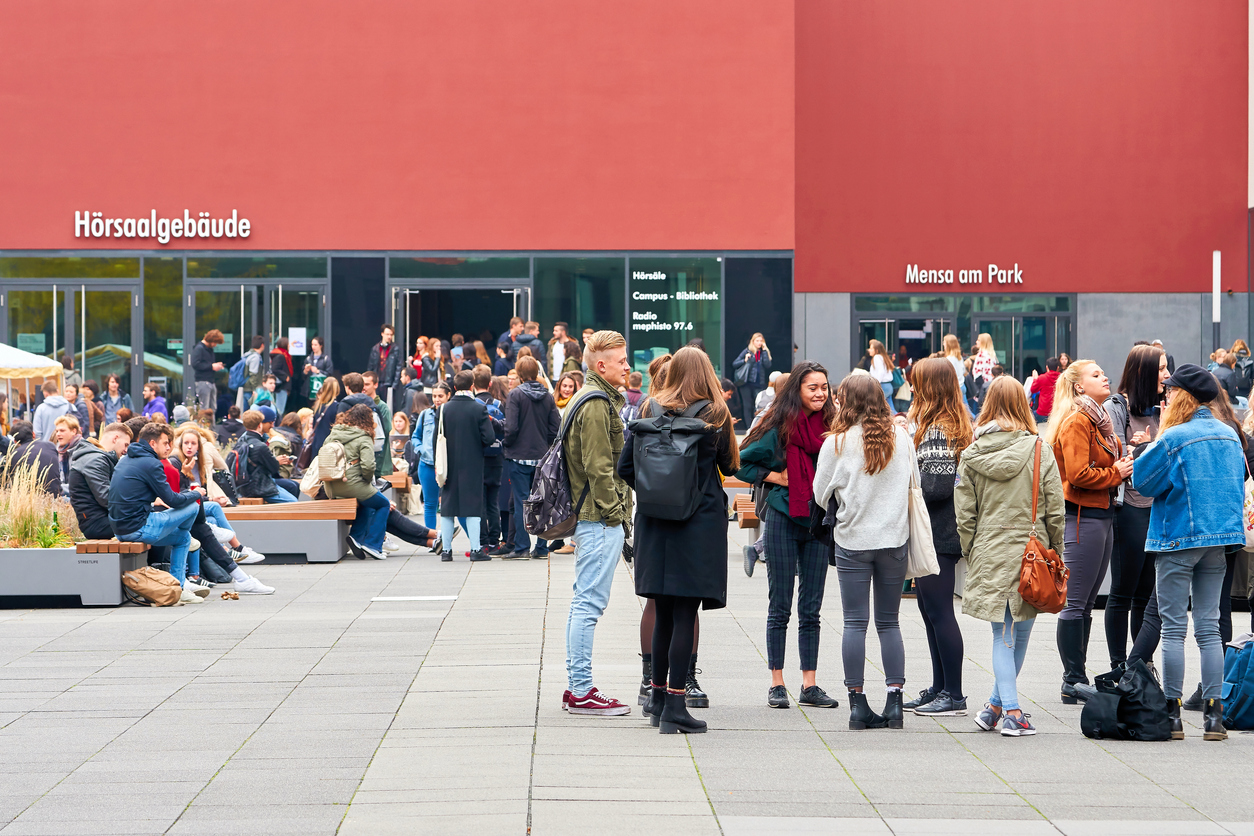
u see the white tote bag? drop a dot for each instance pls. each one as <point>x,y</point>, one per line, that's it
<point>921,553</point>
<point>441,454</point>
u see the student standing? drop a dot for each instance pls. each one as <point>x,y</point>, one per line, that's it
<point>594,442</point>
<point>943,431</point>
<point>681,565</point>
<point>1195,472</point>
<point>385,360</point>
<point>758,358</point>
<point>468,433</point>
<point>1134,416</point>
<point>425,430</point>
<point>993,508</point>
<point>114,399</point>
<point>205,369</point>
<point>531,425</point>
<point>493,460</point>
<point>866,464</point>
<point>882,370</point>
<point>780,453</point>
<point>1091,465</point>
<point>281,368</point>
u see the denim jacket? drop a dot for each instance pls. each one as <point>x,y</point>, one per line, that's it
<point>423,436</point>
<point>1196,474</point>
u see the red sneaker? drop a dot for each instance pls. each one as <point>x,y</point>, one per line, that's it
<point>566,700</point>
<point>594,702</point>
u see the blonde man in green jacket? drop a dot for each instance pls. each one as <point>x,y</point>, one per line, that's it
<point>993,507</point>
<point>354,429</point>
<point>593,444</point>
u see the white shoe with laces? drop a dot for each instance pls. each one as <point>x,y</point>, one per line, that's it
<point>390,544</point>
<point>196,589</point>
<point>251,555</point>
<point>189,597</point>
<point>252,586</point>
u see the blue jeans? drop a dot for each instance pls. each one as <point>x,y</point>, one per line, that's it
<point>520,476</point>
<point>169,528</point>
<point>469,524</point>
<point>888,395</point>
<point>597,550</point>
<point>215,514</point>
<point>430,493</point>
<point>1202,571</point>
<point>280,402</point>
<point>282,495</point>
<point>371,522</point>
<point>1010,645</point>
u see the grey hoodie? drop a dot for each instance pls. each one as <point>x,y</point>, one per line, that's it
<point>993,508</point>
<point>46,415</point>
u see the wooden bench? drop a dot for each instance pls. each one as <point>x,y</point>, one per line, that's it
<point>312,530</point>
<point>89,573</point>
<point>746,514</point>
<point>251,500</point>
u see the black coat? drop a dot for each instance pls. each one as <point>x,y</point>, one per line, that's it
<point>390,372</point>
<point>202,363</point>
<point>43,457</point>
<point>687,558</point>
<point>467,432</point>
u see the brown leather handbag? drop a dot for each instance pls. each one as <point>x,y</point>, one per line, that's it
<point>1043,577</point>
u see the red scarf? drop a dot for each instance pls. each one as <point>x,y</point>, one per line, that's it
<point>803,448</point>
<point>287,357</point>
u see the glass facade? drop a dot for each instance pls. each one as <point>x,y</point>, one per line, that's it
<point>583,292</point>
<point>432,267</point>
<point>163,327</point>
<point>672,302</point>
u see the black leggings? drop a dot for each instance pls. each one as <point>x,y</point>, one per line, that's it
<point>648,619</point>
<point>672,639</point>
<point>1131,580</point>
<point>406,529</point>
<point>935,596</point>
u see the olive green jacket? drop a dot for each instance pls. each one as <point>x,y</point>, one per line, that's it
<point>993,507</point>
<point>359,449</point>
<point>594,442</point>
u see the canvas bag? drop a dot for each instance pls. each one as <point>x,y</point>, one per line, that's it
<point>1042,577</point>
<point>548,512</point>
<point>665,452</point>
<point>921,555</point>
<point>441,453</point>
<point>152,587</point>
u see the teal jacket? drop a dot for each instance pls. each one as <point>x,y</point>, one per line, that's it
<point>763,457</point>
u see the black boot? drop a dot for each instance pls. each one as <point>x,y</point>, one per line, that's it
<point>1194,703</point>
<point>1173,717</point>
<point>653,706</point>
<point>675,717</point>
<point>861,716</point>
<point>1070,639</point>
<point>1213,721</point>
<point>646,676</point>
<point>893,711</point>
<point>694,697</point>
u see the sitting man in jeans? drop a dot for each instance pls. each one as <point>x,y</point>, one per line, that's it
<point>263,479</point>
<point>138,480</point>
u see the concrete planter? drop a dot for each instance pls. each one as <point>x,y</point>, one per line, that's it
<point>95,579</point>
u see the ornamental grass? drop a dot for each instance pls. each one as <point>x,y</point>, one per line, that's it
<point>30,517</point>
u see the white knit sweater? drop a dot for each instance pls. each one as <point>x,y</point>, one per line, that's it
<point>873,509</point>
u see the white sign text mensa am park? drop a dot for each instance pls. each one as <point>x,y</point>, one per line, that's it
<point>996,275</point>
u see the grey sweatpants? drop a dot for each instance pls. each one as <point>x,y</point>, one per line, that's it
<point>1086,553</point>
<point>858,572</point>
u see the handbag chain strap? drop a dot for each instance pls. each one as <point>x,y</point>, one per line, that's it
<point>1036,483</point>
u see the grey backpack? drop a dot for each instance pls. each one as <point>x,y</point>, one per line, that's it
<point>548,512</point>
<point>664,452</point>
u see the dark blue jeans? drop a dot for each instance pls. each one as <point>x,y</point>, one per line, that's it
<point>520,476</point>
<point>372,521</point>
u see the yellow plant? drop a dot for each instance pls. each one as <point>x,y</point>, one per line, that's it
<point>30,517</point>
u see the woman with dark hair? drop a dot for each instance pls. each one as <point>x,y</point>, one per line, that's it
<point>779,454</point>
<point>574,358</point>
<point>318,361</point>
<point>866,464</point>
<point>943,431</point>
<point>281,368</point>
<point>115,399</point>
<point>681,565</point>
<point>1134,415</point>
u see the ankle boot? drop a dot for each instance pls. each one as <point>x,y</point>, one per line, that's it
<point>675,717</point>
<point>646,676</point>
<point>1173,717</point>
<point>693,695</point>
<point>653,706</point>
<point>1070,639</point>
<point>860,714</point>
<point>1213,721</point>
<point>1194,703</point>
<point>893,710</point>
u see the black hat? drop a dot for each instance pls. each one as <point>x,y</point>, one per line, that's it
<point>1195,380</point>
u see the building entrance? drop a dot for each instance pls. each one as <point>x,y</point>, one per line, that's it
<point>481,312</point>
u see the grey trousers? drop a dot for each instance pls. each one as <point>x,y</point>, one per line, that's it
<point>207,393</point>
<point>858,572</point>
<point>1086,553</point>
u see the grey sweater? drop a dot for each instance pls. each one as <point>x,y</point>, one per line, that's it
<point>874,510</point>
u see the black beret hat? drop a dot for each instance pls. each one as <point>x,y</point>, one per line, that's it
<point>1195,380</point>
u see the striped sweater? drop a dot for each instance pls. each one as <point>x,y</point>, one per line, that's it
<point>938,468</point>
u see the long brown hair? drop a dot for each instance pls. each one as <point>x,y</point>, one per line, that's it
<point>482,354</point>
<point>1006,403</point>
<point>1180,410</point>
<point>787,408</point>
<point>690,378</point>
<point>876,347</point>
<point>657,372</point>
<point>938,403</point>
<point>862,401</point>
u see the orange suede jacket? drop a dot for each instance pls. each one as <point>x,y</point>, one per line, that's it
<point>1086,462</point>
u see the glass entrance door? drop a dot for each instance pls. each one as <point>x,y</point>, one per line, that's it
<point>1024,343</point>
<point>231,309</point>
<point>295,311</point>
<point>106,330</point>
<point>436,309</point>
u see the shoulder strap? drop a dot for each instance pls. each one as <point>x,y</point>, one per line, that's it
<point>570,413</point>
<point>1036,482</point>
<point>693,409</point>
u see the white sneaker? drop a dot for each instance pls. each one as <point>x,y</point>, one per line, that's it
<point>252,586</point>
<point>222,535</point>
<point>251,555</point>
<point>390,545</point>
<point>194,546</point>
<point>197,589</point>
<point>375,553</point>
<point>189,597</point>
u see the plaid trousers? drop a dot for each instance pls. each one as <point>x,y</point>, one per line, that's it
<point>791,552</point>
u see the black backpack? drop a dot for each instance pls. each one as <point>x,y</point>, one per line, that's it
<point>548,512</point>
<point>238,467</point>
<point>664,449</point>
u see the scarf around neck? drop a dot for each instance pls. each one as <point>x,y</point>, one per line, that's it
<point>1100,418</point>
<point>803,447</point>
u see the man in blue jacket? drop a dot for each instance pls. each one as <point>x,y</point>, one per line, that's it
<point>137,481</point>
